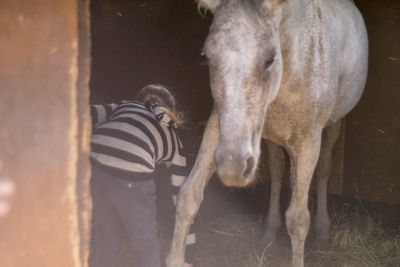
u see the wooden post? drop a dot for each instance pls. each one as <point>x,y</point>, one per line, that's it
<point>44,133</point>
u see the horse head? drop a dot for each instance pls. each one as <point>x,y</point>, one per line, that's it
<point>245,64</point>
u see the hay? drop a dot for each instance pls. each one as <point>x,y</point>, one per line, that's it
<point>357,240</point>
<point>232,241</point>
<point>361,240</point>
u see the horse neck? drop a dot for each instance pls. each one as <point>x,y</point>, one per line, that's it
<point>294,15</point>
<point>295,20</point>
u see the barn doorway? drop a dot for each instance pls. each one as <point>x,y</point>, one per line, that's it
<point>139,42</point>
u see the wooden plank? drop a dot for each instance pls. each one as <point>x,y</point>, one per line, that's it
<point>39,141</point>
<point>84,131</point>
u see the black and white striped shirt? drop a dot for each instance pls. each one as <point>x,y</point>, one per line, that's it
<point>128,141</point>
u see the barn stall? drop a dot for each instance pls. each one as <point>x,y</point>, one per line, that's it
<point>135,43</point>
<point>138,42</point>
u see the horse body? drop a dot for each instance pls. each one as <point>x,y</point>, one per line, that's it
<point>322,77</point>
<point>286,71</point>
<point>320,85</point>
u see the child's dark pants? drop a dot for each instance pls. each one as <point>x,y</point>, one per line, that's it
<point>123,208</point>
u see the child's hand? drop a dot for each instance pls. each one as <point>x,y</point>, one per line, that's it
<point>187,264</point>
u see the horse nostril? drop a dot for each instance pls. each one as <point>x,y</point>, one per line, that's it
<point>248,167</point>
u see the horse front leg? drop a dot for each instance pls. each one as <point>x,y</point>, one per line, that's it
<point>191,193</point>
<point>276,166</point>
<point>303,158</point>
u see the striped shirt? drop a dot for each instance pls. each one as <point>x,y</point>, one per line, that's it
<point>128,141</point>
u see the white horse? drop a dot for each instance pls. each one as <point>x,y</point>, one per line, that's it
<point>283,70</point>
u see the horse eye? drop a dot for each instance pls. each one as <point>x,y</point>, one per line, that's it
<point>269,62</point>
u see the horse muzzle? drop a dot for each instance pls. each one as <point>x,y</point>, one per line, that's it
<point>234,167</point>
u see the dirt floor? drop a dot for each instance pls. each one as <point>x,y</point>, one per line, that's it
<point>229,236</point>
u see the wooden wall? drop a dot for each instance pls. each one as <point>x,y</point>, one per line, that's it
<point>44,132</point>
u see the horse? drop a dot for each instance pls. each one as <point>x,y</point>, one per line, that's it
<point>286,71</point>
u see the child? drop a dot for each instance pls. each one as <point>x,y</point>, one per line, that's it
<point>128,140</point>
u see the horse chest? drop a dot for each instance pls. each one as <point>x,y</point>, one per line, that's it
<point>278,125</point>
<point>290,118</point>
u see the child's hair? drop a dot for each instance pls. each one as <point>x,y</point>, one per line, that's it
<point>160,94</point>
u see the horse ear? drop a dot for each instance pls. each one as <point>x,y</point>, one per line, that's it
<point>208,4</point>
